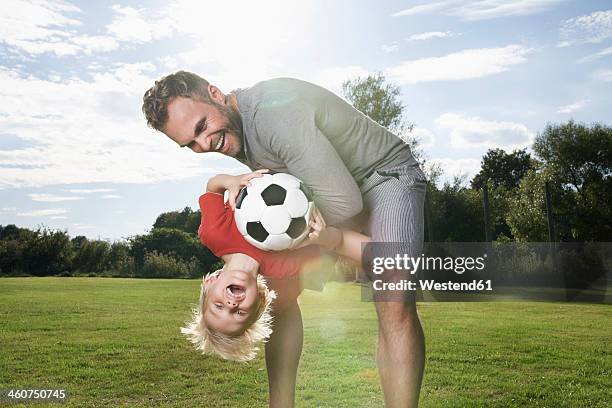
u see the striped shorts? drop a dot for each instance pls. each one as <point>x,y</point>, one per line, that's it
<point>393,200</point>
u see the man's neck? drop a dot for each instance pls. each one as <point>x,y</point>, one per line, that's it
<point>232,102</point>
<point>230,99</point>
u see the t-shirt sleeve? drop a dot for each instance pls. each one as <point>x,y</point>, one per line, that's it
<point>213,208</point>
<point>294,137</point>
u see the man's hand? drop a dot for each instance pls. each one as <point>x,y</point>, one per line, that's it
<point>320,233</point>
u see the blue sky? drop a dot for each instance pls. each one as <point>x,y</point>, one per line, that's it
<point>75,152</point>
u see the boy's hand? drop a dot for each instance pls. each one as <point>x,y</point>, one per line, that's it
<point>236,183</point>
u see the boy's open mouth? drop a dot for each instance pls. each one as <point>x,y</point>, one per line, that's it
<point>236,292</point>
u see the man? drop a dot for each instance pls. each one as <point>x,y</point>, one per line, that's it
<point>351,164</point>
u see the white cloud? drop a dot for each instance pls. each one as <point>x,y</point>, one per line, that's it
<point>132,25</point>
<point>7,210</point>
<point>590,28</point>
<point>59,217</point>
<point>332,78</point>
<point>429,35</point>
<point>425,136</point>
<point>603,75</point>
<point>95,44</point>
<point>466,64</point>
<point>111,196</point>
<point>89,190</point>
<point>393,47</point>
<point>469,132</point>
<point>52,27</point>
<point>480,9</point>
<point>572,107</point>
<point>43,213</point>
<point>80,226</point>
<point>48,27</point>
<point>37,27</point>
<point>51,198</point>
<point>276,29</point>
<point>597,55</point>
<point>457,167</point>
<point>88,131</point>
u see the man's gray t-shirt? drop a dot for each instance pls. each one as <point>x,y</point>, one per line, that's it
<point>296,127</point>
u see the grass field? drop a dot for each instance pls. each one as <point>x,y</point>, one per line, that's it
<point>115,342</point>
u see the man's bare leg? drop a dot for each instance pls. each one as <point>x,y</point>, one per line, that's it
<point>283,351</point>
<point>401,353</point>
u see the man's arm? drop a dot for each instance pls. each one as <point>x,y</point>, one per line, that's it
<point>308,154</point>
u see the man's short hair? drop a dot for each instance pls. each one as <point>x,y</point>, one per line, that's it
<point>243,347</point>
<point>182,83</point>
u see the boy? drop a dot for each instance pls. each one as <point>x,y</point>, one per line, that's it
<point>234,309</point>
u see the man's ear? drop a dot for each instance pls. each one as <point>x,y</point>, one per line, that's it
<point>216,94</point>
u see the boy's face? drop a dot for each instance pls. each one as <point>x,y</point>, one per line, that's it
<point>231,301</point>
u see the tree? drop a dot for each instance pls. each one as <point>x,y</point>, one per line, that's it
<point>46,252</point>
<point>579,159</point>
<point>502,173</point>
<point>502,169</point>
<point>577,154</point>
<point>119,259</point>
<point>10,256</point>
<point>78,242</point>
<point>375,98</point>
<point>186,220</point>
<point>91,256</point>
<point>456,212</point>
<point>527,210</point>
<point>11,231</point>
<point>379,100</point>
<point>170,241</point>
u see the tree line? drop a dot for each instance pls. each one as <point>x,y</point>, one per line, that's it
<point>171,249</point>
<point>574,159</point>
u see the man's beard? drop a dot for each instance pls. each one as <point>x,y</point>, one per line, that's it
<point>233,122</point>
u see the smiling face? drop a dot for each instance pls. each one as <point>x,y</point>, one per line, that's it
<point>204,127</point>
<point>232,302</point>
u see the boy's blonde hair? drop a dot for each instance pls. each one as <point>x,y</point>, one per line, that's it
<point>237,348</point>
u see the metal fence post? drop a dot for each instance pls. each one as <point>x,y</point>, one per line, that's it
<point>485,204</point>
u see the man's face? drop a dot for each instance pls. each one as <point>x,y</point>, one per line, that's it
<point>204,127</point>
<point>232,302</point>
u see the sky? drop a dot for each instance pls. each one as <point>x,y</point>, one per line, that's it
<point>75,151</point>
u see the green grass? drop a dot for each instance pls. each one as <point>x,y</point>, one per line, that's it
<point>115,342</point>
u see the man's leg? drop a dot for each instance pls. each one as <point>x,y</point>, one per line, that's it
<point>395,207</point>
<point>401,353</point>
<point>283,351</point>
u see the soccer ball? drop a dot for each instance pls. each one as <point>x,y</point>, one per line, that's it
<point>273,213</point>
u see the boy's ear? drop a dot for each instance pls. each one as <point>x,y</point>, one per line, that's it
<point>211,277</point>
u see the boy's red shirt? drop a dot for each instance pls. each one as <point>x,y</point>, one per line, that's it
<point>218,231</point>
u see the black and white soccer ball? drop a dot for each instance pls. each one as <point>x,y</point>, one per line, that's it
<point>273,213</point>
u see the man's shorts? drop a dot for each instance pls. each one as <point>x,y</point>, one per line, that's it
<point>393,200</point>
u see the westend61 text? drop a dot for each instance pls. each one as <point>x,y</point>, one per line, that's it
<point>429,284</point>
